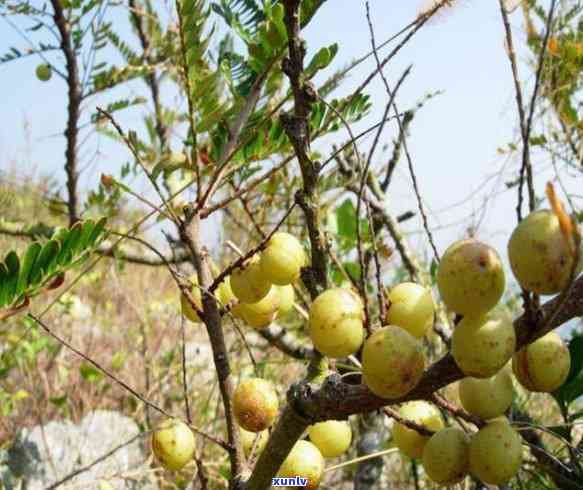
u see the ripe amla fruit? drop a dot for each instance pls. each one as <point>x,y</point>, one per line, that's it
<point>306,461</point>
<point>255,404</point>
<point>482,345</point>
<point>248,283</point>
<point>336,322</point>
<point>248,440</point>
<point>489,397</point>
<point>282,260</point>
<point>539,254</point>
<point>470,277</point>
<point>223,294</point>
<point>495,453</point>
<point>392,362</point>
<point>411,307</point>
<point>409,441</point>
<point>543,365</point>
<point>332,437</point>
<point>446,456</point>
<point>44,72</point>
<point>173,444</point>
<point>261,314</point>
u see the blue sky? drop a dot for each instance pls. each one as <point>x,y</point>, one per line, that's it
<point>453,139</point>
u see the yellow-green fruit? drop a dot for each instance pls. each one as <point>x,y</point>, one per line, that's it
<point>539,255</point>
<point>305,461</point>
<point>261,314</point>
<point>223,294</point>
<point>409,441</point>
<point>392,362</point>
<point>482,345</point>
<point>248,284</point>
<point>173,444</point>
<point>282,259</point>
<point>44,72</point>
<point>332,437</point>
<point>411,307</point>
<point>287,297</point>
<point>543,365</point>
<point>446,457</point>
<point>187,310</point>
<point>255,404</point>
<point>336,322</point>
<point>495,453</point>
<point>489,397</point>
<point>248,440</point>
<point>470,277</point>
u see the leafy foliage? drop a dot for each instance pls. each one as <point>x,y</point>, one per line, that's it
<point>572,389</point>
<point>41,264</point>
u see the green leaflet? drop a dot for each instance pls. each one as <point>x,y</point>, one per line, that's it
<point>42,262</point>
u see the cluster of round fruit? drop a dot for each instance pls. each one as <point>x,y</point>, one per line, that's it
<point>262,288</point>
<point>471,282</point>
<point>392,357</point>
<point>493,454</point>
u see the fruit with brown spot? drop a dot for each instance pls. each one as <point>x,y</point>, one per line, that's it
<point>482,345</point>
<point>495,453</point>
<point>392,362</point>
<point>470,277</point>
<point>255,404</point>
<point>543,365</point>
<point>539,254</point>
<point>173,444</point>
<point>446,456</point>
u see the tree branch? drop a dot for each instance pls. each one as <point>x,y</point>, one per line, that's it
<point>190,235</point>
<point>280,338</point>
<point>297,127</point>
<point>75,97</point>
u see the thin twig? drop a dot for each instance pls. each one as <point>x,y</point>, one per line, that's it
<point>401,130</point>
<point>124,385</point>
<point>526,164</point>
<point>519,100</point>
<point>184,377</point>
<point>136,155</point>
